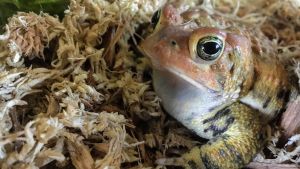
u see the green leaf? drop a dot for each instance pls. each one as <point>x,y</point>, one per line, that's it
<point>10,7</point>
<point>14,2</point>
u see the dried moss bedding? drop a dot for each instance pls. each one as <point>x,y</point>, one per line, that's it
<point>76,93</point>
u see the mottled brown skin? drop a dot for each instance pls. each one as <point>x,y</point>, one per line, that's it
<point>223,100</point>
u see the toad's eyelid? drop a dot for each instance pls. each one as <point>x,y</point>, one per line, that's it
<point>213,32</point>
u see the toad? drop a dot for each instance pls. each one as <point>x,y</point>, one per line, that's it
<point>212,79</point>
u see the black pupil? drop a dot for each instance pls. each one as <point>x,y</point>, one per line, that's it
<point>155,18</point>
<point>211,48</point>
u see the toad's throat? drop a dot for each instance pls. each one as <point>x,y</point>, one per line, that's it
<point>182,99</point>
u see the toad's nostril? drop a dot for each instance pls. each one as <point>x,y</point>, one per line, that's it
<point>173,43</point>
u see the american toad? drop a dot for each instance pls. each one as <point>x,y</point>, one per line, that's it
<point>214,81</point>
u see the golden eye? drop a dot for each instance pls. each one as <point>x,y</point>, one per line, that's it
<point>155,18</point>
<point>209,48</point>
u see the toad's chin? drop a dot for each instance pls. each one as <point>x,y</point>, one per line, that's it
<point>182,99</point>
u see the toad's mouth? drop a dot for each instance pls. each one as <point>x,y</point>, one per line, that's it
<point>189,80</point>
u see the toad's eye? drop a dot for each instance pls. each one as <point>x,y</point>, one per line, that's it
<point>155,18</point>
<point>209,48</point>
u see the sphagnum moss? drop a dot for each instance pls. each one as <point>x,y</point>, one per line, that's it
<point>67,100</point>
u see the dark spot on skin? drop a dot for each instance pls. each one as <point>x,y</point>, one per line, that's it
<point>287,96</point>
<point>231,69</point>
<point>238,158</point>
<point>280,111</point>
<point>266,103</point>
<point>222,153</point>
<point>221,113</point>
<point>192,164</point>
<point>242,85</point>
<point>280,94</point>
<point>255,74</point>
<point>208,163</point>
<point>217,130</point>
<point>230,120</point>
<point>284,94</point>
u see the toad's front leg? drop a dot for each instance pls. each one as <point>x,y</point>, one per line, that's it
<point>233,146</point>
